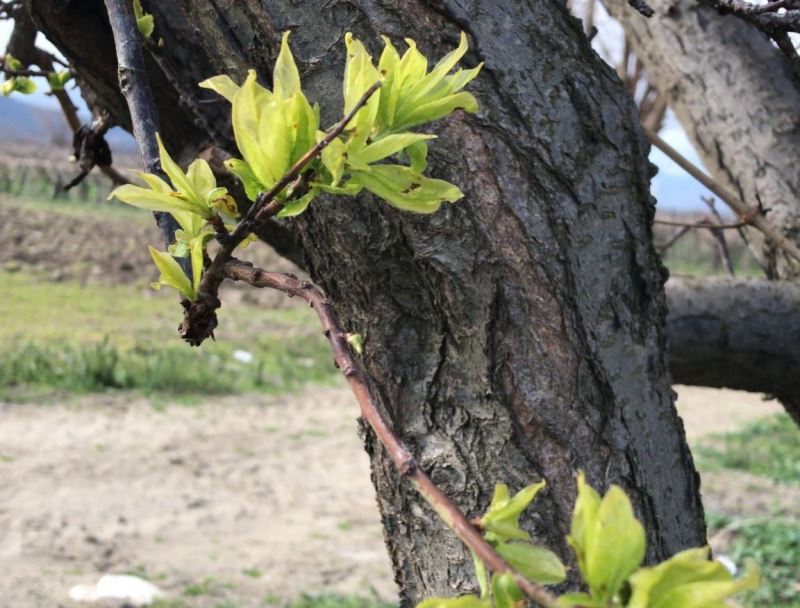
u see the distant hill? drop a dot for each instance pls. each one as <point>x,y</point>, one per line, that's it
<point>20,121</point>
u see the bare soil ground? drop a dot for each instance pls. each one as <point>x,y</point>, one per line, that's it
<point>245,500</point>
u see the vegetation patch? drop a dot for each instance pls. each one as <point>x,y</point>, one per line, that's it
<point>767,447</point>
<point>64,336</point>
<point>775,545</point>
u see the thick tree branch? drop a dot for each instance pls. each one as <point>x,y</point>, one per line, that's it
<point>447,510</point>
<point>742,334</point>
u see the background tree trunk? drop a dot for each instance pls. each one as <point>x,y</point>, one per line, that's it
<point>514,336</point>
<point>737,333</point>
<point>737,99</point>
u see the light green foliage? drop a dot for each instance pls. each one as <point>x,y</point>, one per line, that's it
<point>26,86</point>
<point>20,84</point>
<point>607,538</point>
<point>275,128</point>
<point>144,21</point>
<point>58,80</point>
<point>609,543</point>
<point>687,580</point>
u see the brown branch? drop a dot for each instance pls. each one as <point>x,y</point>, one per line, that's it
<point>134,86</point>
<point>753,216</point>
<point>704,223</point>
<point>674,238</point>
<point>447,510</point>
<point>719,236</point>
<point>200,318</point>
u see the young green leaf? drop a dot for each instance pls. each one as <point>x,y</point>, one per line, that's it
<point>537,564</point>
<point>252,186</point>
<point>501,520</point>
<point>144,21</point>
<point>418,156</point>
<point>58,80</point>
<point>607,538</point>
<point>388,145</point>
<point>24,85</point>
<point>297,206</point>
<point>285,77</point>
<point>9,86</point>
<point>505,592</point>
<point>690,576</point>
<point>223,85</point>
<point>172,274</point>
<point>481,574</point>
<point>406,189</point>
<point>13,64</point>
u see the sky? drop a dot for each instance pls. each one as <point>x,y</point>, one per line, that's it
<point>674,189</point>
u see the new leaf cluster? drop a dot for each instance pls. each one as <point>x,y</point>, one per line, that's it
<point>377,150</point>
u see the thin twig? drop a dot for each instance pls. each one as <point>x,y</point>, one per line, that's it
<point>447,510</point>
<point>747,214</point>
<point>199,319</point>
<point>136,89</point>
<point>704,223</point>
<point>719,236</point>
<point>674,238</point>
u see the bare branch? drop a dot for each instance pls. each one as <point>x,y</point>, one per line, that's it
<point>135,88</point>
<point>754,216</point>
<point>447,510</point>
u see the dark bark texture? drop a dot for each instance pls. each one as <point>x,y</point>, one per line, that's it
<point>737,333</point>
<point>736,97</point>
<point>514,336</point>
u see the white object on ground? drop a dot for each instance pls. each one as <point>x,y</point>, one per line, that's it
<point>243,356</point>
<point>132,589</point>
<point>728,563</point>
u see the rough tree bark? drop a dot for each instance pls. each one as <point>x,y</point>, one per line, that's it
<point>736,97</point>
<point>741,334</point>
<point>513,336</point>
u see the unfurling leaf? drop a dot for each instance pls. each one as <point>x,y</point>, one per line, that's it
<point>12,63</point>
<point>356,342</point>
<point>58,80</point>
<point>505,592</point>
<point>24,85</point>
<point>607,538</point>
<point>172,274</point>
<point>406,189</point>
<point>144,21</point>
<point>688,580</point>
<point>537,564</point>
<point>501,520</point>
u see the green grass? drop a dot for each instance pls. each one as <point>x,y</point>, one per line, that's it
<point>775,547</point>
<point>333,600</point>
<point>67,337</point>
<point>769,447</point>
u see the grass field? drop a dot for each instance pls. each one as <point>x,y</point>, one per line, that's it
<point>64,336</point>
<point>768,448</point>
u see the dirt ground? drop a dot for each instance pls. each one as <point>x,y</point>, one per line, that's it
<point>242,500</point>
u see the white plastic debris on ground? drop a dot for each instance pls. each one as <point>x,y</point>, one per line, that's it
<point>132,589</point>
<point>243,356</point>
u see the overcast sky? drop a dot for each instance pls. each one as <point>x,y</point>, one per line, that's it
<point>674,189</point>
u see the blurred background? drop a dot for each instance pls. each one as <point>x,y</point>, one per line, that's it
<point>232,475</point>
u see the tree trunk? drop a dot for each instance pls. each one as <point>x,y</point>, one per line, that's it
<point>738,101</point>
<point>513,336</point>
<point>742,334</point>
